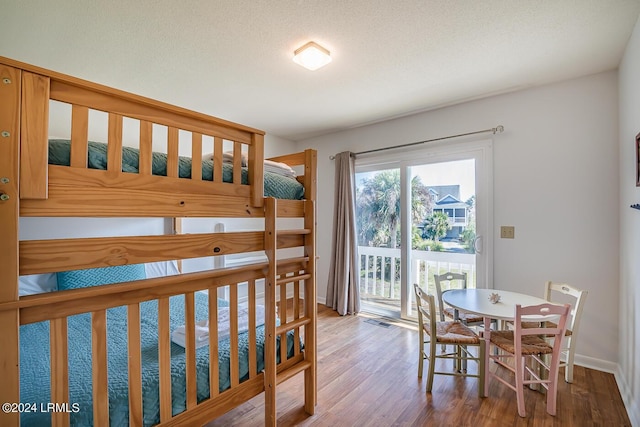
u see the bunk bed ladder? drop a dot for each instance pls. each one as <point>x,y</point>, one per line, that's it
<point>303,360</point>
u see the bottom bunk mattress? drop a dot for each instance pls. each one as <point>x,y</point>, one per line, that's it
<point>35,364</point>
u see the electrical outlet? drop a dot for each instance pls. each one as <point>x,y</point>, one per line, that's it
<point>507,232</point>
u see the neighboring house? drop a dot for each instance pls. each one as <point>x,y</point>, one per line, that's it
<point>447,200</point>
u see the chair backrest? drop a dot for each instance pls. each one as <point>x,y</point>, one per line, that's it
<point>556,331</point>
<point>534,347</point>
<point>426,305</point>
<point>580,299</point>
<point>448,277</point>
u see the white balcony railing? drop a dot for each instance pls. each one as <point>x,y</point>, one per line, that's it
<point>380,270</point>
<point>458,221</point>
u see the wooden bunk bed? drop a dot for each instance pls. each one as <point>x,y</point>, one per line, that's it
<point>32,187</point>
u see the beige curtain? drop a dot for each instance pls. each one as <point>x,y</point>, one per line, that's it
<point>343,293</point>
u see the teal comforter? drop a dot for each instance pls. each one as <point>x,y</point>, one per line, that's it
<point>35,362</point>
<point>275,185</point>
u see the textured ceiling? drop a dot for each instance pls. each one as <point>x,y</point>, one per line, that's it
<point>232,59</point>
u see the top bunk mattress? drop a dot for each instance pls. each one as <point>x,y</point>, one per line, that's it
<point>275,185</point>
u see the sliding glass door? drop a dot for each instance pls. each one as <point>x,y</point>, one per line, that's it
<point>378,218</point>
<point>419,214</point>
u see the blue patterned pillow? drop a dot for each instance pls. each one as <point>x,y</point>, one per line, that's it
<point>100,276</point>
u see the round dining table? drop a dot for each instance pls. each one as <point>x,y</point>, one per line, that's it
<point>478,301</point>
<point>481,302</point>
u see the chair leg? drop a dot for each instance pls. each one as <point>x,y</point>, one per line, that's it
<point>568,372</point>
<point>487,351</point>
<point>481,366</point>
<point>519,374</point>
<point>552,397</point>
<point>420,353</point>
<point>552,393</point>
<point>432,364</point>
<point>568,369</point>
<point>464,360</point>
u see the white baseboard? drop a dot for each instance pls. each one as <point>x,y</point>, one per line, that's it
<point>631,404</point>
<point>597,364</point>
<point>321,300</point>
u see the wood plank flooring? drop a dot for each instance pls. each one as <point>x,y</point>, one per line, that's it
<point>368,376</point>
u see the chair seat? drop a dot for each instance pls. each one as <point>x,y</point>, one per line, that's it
<point>462,316</point>
<point>531,325</point>
<point>454,333</point>
<point>531,344</point>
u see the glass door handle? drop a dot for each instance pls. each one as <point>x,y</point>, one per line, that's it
<point>477,244</point>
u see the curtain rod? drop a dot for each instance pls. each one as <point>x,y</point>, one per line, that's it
<point>497,129</point>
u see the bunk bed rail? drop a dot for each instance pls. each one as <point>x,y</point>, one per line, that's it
<point>37,87</point>
<point>57,310</point>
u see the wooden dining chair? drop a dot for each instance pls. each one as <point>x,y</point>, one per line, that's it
<point>450,281</point>
<point>569,348</point>
<point>526,347</point>
<point>454,333</point>
<point>552,291</point>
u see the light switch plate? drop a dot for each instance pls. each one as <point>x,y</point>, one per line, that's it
<point>507,232</point>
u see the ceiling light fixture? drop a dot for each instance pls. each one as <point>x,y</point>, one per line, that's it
<point>312,56</point>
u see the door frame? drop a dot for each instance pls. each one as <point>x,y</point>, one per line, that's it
<point>481,150</point>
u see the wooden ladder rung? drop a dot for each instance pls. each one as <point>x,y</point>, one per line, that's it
<point>292,325</point>
<point>295,232</point>
<point>290,372</point>
<point>289,279</point>
<point>287,261</point>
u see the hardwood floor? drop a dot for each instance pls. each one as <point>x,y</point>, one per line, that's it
<point>367,376</point>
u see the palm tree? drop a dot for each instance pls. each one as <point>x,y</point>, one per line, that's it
<point>436,226</point>
<point>378,208</point>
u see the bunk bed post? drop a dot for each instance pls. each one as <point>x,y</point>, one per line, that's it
<point>10,92</point>
<point>311,189</point>
<point>256,169</point>
<point>311,309</point>
<point>271,210</point>
<point>310,174</point>
<point>34,142</point>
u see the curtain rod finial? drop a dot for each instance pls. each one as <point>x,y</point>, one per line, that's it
<point>353,155</point>
<point>498,129</point>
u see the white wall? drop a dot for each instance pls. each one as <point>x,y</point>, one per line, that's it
<point>555,180</point>
<point>276,146</point>
<point>629,348</point>
<point>35,228</point>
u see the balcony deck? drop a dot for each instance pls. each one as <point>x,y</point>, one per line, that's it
<point>380,274</point>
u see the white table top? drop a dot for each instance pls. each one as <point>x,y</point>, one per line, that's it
<point>476,301</point>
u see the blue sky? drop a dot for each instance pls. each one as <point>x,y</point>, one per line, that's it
<point>461,172</point>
